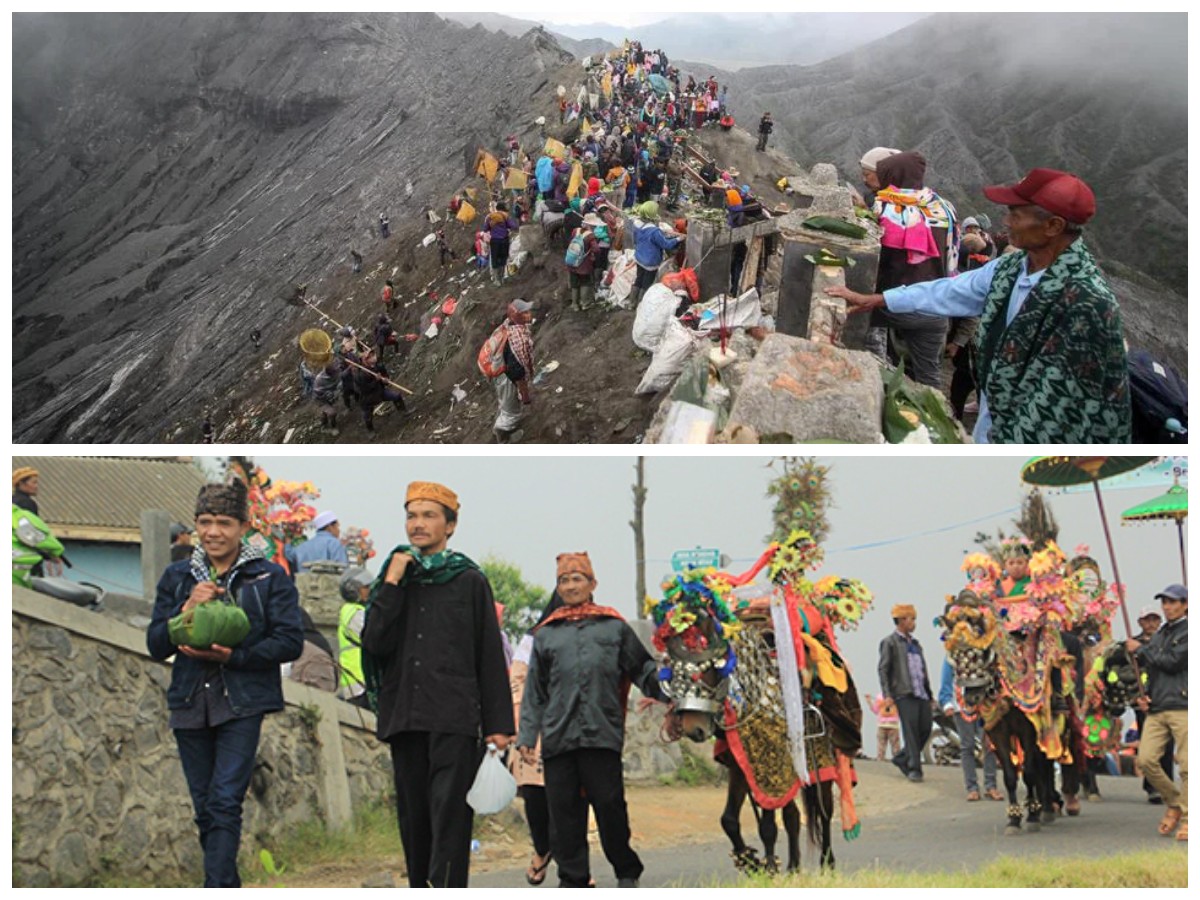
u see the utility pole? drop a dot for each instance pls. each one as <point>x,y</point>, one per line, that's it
<point>639,534</point>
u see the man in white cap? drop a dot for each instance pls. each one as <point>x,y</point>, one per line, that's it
<point>324,545</point>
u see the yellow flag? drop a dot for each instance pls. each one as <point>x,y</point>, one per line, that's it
<point>554,148</point>
<point>466,214</point>
<point>516,180</point>
<point>488,166</point>
<point>585,127</point>
<point>576,179</point>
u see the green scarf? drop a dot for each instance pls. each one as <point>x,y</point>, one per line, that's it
<point>1058,373</point>
<point>437,568</point>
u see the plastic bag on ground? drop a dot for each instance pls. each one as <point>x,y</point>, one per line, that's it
<point>622,272</point>
<point>654,311</point>
<point>494,787</point>
<point>428,239</point>
<point>673,351</point>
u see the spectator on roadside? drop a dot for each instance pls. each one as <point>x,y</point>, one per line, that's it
<point>887,735</point>
<point>354,586</point>
<point>324,546</point>
<point>25,488</point>
<point>904,678</point>
<point>1149,620</point>
<point>970,733</point>
<point>181,542</point>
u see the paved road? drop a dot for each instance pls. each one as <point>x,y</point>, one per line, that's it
<point>939,831</point>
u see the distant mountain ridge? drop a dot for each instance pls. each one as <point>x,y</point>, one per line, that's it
<point>985,97</point>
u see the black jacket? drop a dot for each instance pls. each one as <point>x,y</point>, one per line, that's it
<point>573,690</point>
<point>443,660</point>
<point>1164,660</point>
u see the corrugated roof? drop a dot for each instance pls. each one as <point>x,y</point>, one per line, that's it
<point>111,492</point>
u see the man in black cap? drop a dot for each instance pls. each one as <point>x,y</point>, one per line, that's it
<point>1163,662</point>
<point>1050,355</point>
<point>218,694</point>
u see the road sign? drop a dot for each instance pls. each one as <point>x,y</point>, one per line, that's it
<point>697,558</point>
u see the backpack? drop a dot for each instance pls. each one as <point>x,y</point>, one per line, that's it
<point>576,250</point>
<point>1157,394</point>
<point>491,354</point>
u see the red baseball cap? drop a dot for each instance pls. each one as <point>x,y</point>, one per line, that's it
<point>1056,192</point>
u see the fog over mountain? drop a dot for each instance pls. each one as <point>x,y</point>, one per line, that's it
<point>987,97</point>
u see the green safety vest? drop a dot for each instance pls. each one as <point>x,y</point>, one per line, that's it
<point>32,542</point>
<point>350,648</point>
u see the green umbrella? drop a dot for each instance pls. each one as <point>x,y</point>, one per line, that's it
<point>1061,471</point>
<point>1171,505</point>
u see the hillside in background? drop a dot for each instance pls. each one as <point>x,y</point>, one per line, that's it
<point>987,97</point>
<point>174,175</point>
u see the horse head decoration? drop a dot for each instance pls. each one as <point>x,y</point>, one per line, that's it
<point>766,671</point>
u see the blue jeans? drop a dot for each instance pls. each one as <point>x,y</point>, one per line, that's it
<point>218,762</point>
<point>969,732</point>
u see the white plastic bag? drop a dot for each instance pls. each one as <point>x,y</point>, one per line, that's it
<point>654,311</point>
<point>676,346</point>
<point>494,787</point>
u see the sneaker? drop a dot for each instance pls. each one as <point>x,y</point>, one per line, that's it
<point>899,762</point>
<point>627,882</point>
<point>916,777</point>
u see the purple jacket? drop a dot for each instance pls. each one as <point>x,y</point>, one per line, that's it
<point>500,229</point>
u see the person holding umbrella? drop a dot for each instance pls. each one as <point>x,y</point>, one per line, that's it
<point>1164,660</point>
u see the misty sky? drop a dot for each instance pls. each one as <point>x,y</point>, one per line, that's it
<point>923,511</point>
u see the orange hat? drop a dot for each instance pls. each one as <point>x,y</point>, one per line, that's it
<point>22,473</point>
<point>429,490</point>
<point>572,563</point>
<point>903,610</point>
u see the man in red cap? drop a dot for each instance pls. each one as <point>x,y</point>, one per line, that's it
<point>1050,351</point>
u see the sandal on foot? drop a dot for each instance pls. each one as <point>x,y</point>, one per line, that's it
<point>1181,834</point>
<point>972,796</point>
<point>1170,820</point>
<point>535,875</point>
<point>993,794</point>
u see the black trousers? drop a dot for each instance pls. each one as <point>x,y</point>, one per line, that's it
<point>916,724</point>
<point>433,773</point>
<point>574,780</point>
<point>537,814</point>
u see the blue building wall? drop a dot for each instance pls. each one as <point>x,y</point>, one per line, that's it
<point>113,566</point>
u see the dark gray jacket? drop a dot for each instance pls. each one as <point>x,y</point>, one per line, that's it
<point>894,678</point>
<point>573,690</point>
<point>1164,660</point>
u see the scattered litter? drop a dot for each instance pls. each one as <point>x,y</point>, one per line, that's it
<point>428,239</point>
<point>440,431</point>
<point>558,390</point>
<point>622,425</point>
<point>288,437</point>
<point>263,431</point>
<point>457,395</point>
<point>384,408</point>
<point>545,370</point>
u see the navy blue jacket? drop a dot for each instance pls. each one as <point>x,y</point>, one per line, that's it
<point>268,597</point>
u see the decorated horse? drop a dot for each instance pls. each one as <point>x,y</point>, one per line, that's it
<point>759,666</point>
<point>1013,669</point>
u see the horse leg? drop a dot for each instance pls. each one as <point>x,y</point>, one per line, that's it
<point>1035,785</point>
<point>824,817</point>
<point>768,833</point>
<point>735,797</point>
<point>1001,739</point>
<point>791,827</point>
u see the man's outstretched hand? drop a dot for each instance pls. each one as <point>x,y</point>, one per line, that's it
<point>857,302</point>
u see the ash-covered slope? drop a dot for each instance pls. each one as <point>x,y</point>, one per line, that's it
<point>987,96</point>
<point>173,175</point>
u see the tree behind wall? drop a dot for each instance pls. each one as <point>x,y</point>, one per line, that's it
<point>523,601</point>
